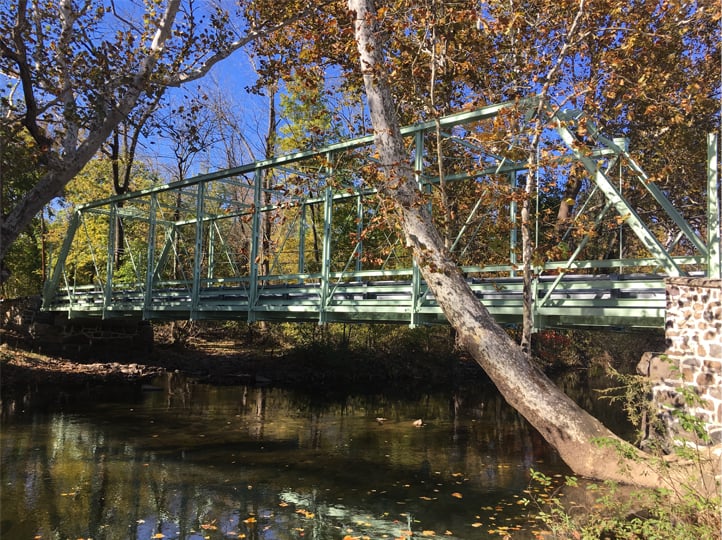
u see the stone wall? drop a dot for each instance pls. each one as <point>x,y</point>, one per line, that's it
<point>693,359</point>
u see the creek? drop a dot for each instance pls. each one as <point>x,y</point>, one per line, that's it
<point>183,460</point>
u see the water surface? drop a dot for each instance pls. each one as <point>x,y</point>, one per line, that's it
<point>194,461</point>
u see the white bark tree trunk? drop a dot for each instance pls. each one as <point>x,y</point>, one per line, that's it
<point>560,420</point>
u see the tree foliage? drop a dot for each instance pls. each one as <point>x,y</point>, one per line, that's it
<point>646,70</point>
<point>563,424</point>
<point>73,70</point>
<point>86,260</point>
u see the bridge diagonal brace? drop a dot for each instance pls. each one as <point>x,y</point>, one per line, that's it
<point>623,208</point>
<point>653,190</point>
<point>51,286</point>
<point>171,233</point>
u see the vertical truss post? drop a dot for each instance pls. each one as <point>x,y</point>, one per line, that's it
<point>51,285</point>
<point>513,234</point>
<point>714,257</point>
<point>198,250</point>
<point>415,272</point>
<point>326,262</point>
<point>359,231</point>
<point>211,248</point>
<point>302,243</point>
<point>255,234</point>
<point>149,270</point>
<point>109,263</point>
<point>623,143</point>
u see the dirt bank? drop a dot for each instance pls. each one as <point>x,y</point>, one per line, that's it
<point>218,359</point>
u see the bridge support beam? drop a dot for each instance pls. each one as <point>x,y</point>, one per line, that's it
<point>198,251</point>
<point>51,286</point>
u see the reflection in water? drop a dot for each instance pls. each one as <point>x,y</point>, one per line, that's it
<point>194,461</point>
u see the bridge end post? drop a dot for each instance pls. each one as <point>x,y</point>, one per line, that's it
<point>714,257</point>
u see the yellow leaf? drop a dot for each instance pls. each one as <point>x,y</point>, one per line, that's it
<point>428,533</point>
<point>476,525</point>
<point>250,519</point>
<point>158,535</point>
<point>457,495</point>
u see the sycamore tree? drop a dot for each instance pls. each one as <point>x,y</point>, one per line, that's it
<point>565,425</point>
<point>420,59</point>
<point>646,70</point>
<point>73,70</point>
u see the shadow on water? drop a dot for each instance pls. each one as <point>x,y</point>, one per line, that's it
<point>186,460</point>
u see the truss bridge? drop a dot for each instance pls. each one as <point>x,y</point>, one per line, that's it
<point>305,236</point>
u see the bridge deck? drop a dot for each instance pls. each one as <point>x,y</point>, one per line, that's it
<point>611,300</point>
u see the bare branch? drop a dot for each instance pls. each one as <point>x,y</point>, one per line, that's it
<point>30,121</point>
<point>251,36</point>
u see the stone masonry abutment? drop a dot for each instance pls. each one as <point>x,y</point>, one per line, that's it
<point>692,361</point>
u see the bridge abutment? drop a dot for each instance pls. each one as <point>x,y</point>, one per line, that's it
<point>84,338</point>
<point>687,377</point>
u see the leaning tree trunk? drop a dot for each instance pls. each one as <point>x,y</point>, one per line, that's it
<point>565,425</point>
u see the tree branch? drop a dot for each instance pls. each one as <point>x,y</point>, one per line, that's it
<point>30,120</point>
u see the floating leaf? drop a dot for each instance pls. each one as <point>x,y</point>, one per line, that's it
<point>250,519</point>
<point>305,513</point>
<point>158,535</point>
<point>428,533</point>
<point>476,525</point>
<point>457,495</point>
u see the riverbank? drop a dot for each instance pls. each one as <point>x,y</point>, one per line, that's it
<point>221,359</point>
<point>371,358</point>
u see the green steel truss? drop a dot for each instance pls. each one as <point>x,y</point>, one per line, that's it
<point>303,236</point>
